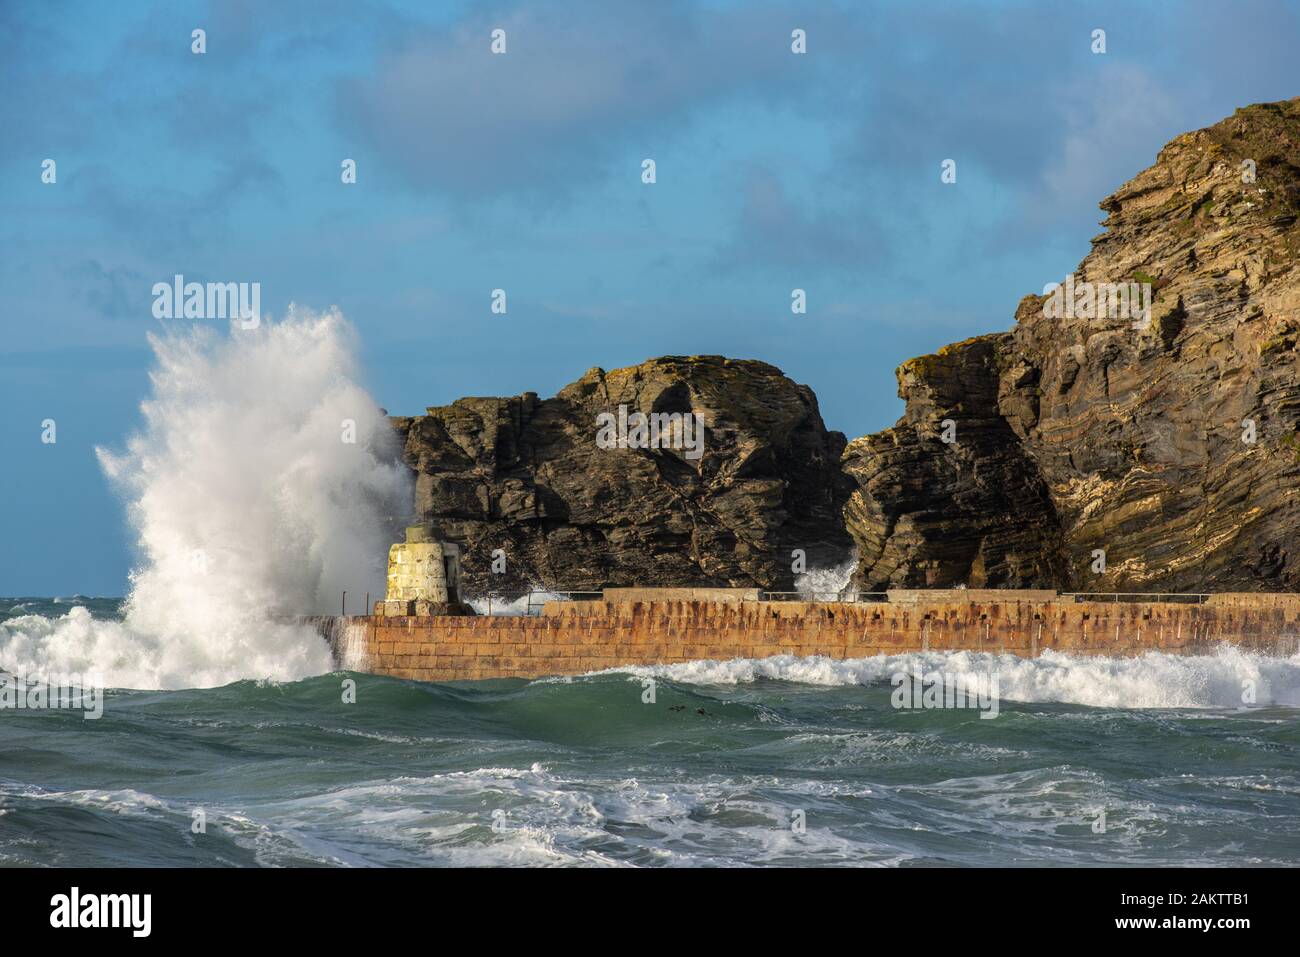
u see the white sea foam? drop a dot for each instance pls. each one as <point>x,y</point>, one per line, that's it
<point>508,606</point>
<point>546,818</point>
<point>1153,680</point>
<point>525,604</point>
<point>824,583</point>
<point>247,505</point>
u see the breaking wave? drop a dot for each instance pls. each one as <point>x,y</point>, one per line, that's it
<point>1228,678</point>
<point>264,482</point>
<point>824,583</point>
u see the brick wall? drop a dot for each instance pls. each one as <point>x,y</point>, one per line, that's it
<point>576,637</point>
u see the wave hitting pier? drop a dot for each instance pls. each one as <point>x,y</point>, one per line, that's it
<point>655,626</point>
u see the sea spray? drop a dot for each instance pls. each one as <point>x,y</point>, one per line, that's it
<point>264,482</point>
<point>524,604</point>
<point>823,583</point>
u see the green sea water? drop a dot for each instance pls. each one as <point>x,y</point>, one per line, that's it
<point>779,762</point>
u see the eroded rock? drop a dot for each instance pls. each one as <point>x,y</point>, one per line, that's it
<point>527,476</point>
<point>1134,432</point>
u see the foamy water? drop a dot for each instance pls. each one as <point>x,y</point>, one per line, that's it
<point>824,583</point>
<point>513,607</point>
<point>1153,680</point>
<point>247,506</point>
<point>718,769</point>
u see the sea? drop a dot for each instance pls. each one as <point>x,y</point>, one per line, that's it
<point>780,762</point>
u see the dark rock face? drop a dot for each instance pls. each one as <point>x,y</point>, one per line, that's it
<point>527,476</point>
<point>1083,435</point>
<point>1167,442</point>
<point>972,509</point>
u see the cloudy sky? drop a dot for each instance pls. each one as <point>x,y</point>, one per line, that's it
<point>523,172</point>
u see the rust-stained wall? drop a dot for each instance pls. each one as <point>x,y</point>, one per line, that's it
<point>576,637</point>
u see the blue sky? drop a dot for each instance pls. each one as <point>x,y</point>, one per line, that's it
<point>522,172</point>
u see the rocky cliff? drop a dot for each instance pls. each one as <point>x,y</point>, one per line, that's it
<point>1168,442</point>
<point>528,476</point>
<point>949,495</point>
<point>1143,443</point>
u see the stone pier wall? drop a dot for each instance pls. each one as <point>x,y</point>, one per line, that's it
<point>577,637</point>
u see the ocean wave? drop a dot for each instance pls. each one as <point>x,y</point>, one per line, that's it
<point>820,583</point>
<point>1229,678</point>
<point>508,607</point>
<point>537,816</point>
<point>259,488</point>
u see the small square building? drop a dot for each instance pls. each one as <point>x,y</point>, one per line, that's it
<point>423,577</point>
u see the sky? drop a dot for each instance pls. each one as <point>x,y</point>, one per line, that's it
<point>522,171</point>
